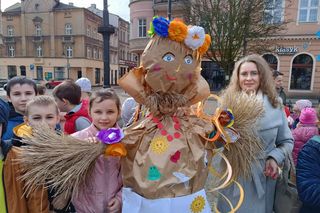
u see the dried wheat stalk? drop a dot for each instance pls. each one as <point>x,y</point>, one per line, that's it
<point>61,161</point>
<point>247,110</point>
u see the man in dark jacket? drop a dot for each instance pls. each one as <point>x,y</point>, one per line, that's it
<point>308,176</point>
<point>277,76</point>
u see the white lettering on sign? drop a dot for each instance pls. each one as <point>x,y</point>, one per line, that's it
<point>287,50</point>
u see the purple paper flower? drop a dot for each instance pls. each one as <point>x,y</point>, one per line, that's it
<point>161,26</point>
<point>110,136</point>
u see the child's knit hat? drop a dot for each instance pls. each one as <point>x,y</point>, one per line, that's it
<point>84,84</point>
<point>308,116</point>
<point>303,103</point>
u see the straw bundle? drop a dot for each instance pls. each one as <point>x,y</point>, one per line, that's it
<point>60,161</point>
<point>247,110</point>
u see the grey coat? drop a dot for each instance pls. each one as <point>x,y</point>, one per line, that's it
<point>259,190</point>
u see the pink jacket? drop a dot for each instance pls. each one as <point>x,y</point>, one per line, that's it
<point>301,135</point>
<point>104,184</point>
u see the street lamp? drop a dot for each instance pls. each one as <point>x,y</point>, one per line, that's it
<point>106,30</point>
<point>169,9</point>
<point>65,54</point>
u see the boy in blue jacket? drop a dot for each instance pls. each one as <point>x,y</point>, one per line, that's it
<point>19,91</point>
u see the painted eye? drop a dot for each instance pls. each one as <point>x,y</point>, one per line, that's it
<point>188,59</point>
<point>168,57</point>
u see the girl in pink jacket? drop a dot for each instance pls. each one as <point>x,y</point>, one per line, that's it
<point>306,129</point>
<point>102,191</point>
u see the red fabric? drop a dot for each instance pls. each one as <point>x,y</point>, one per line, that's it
<point>70,124</point>
<point>287,111</point>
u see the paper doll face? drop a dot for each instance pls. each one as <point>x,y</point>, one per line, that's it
<point>170,65</point>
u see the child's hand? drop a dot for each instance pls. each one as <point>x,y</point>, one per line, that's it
<point>114,205</point>
<point>93,140</point>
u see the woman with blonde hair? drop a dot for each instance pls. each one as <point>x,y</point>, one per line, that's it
<point>252,75</point>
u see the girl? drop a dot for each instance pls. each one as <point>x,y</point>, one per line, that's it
<point>306,129</point>
<point>102,191</point>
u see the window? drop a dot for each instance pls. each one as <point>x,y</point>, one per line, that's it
<point>95,55</point>
<point>301,73</point>
<point>69,51</point>
<point>59,73</point>
<point>273,13</point>
<point>89,52</point>
<point>142,28</point>
<point>12,71</point>
<point>88,30</point>
<point>272,61</point>
<point>23,70</point>
<point>68,29</point>
<point>308,10</point>
<point>11,51</point>
<point>100,54</point>
<point>97,75</point>
<point>39,51</point>
<point>38,30</point>
<point>10,30</point>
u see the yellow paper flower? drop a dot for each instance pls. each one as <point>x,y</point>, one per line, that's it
<point>198,204</point>
<point>195,38</point>
<point>159,145</point>
<point>204,48</point>
<point>178,31</point>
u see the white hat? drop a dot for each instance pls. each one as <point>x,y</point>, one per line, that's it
<point>84,84</point>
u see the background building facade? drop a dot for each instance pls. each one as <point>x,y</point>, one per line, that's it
<point>51,40</point>
<point>296,52</point>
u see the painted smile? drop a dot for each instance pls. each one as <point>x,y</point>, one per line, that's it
<point>170,78</point>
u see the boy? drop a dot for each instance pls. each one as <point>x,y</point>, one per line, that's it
<point>40,111</point>
<point>4,115</point>
<point>68,98</point>
<point>19,91</point>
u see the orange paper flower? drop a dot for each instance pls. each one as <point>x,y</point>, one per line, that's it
<point>116,150</point>
<point>205,46</point>
<point>177,30</point>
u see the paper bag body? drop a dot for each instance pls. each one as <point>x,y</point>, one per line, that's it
<point>154,168</point>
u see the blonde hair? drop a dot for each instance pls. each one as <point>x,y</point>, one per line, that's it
<point>42,100</point>
<point>266,86</point>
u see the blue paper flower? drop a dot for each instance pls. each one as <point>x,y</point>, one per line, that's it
<point>161,26</point>
<point>110,136</point>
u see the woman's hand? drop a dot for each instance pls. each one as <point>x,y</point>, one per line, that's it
<point>114,205</point>
<point>271,169</point>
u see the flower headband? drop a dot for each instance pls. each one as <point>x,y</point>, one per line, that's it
<point>193,37</point>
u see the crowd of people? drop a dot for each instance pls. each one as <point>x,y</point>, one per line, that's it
<point>77,111</point>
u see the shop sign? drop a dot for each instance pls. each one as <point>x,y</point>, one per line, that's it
<point>287,50</point>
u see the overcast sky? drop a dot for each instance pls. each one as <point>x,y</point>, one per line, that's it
<point>119,7</point>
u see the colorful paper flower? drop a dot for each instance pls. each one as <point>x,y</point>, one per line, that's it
<point>178,31</point>
<point>205,46</point>
<point>195,38</point>
<point>161,26</point>
<point>110,136</point>
<point>151,30</point>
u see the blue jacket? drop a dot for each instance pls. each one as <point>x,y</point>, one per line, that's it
<point>14,120</point>
<point>4,114</point>
<point>308,176</point>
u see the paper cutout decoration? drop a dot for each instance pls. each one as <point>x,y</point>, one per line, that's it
<point>159,145</point>
<point>175,157</point>
<point>182,178</point>
<point>198,204</point>
<point>154,174</point>
<point>318,58</point>
<point>318,34</point>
